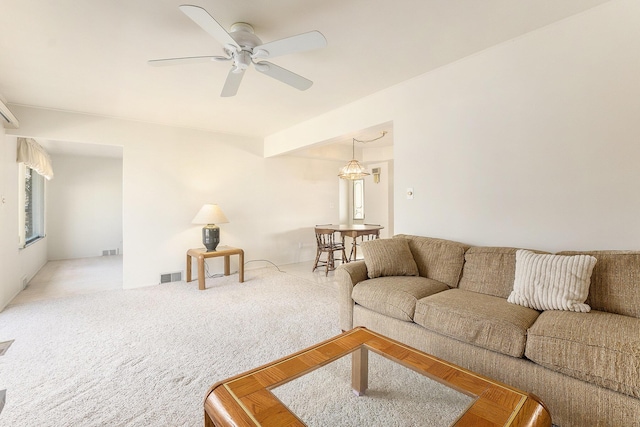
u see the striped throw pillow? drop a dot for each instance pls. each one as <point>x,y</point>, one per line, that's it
<point>552,282</point>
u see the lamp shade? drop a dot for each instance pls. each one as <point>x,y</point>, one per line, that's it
<point>210,214</point>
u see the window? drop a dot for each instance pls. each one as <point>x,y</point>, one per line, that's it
<point>358,199</point>
<point>31,206</point>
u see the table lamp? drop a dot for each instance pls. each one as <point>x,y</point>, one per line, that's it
<point>210,215</point>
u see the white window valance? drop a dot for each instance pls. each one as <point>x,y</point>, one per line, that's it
<point>33,155</point>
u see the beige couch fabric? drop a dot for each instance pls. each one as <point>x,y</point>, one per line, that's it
<point>388,257</point>
<point>572,402</point>
<point>483,320</point>
<point>348,275</point>
<point>615,282</point>
<point>395,296</point>
<point>489,270</point>
<point>597,347</point>
<point>437,259</point>
<point>584,366</point>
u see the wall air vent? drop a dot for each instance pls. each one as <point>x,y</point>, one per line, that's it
<point>6,116</point>
<point>171,277</point>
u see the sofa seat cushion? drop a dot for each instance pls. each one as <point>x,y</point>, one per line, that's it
<point>395,296</point>
<point>483,320</point>
<point>597,347</point>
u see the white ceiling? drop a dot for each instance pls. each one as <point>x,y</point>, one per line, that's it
<point>80,149</point>
<point>90,56</point>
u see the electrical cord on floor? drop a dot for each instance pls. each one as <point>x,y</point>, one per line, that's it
<point>206,272</point>
<point>264,260</point>
<point>213,276</point>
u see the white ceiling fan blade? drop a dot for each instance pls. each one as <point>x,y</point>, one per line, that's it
<point>284,75</point>
<point>208,23</point>
<point>232,83</point>
<point>185,60</point>
<point>293,44</point>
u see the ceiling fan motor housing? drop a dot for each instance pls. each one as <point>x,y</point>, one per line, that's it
<point>244,35</point>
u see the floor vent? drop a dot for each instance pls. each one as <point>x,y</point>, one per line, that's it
<point>171,277</point>
<point>4,346</point>
<point>108,252</point>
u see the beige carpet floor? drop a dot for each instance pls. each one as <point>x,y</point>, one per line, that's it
<point>146,357</point>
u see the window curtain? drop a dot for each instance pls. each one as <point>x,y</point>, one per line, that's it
<point>33,155</point>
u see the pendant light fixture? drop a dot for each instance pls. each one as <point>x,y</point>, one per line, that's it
<point>354,170</point>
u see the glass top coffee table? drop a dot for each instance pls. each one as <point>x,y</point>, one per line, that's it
<point>252,398</point>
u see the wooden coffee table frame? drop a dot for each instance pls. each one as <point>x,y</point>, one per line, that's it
<point>246,399</point>
<point>225,251</point>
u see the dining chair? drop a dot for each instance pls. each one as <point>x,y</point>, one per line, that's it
<point>327,244</point>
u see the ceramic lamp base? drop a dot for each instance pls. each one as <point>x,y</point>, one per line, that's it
<point>210,237</point>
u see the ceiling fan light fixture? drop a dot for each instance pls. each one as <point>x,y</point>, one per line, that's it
<point>242,61</point>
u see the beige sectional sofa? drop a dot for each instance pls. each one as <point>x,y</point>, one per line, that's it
<point>584,366</point>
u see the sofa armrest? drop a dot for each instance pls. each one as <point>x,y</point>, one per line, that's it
<point>348,276</point>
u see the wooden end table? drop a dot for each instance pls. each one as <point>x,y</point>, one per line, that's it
<point>226,251</point>
<point>246,399</point>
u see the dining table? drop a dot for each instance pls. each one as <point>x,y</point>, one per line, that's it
<point>354,231</point>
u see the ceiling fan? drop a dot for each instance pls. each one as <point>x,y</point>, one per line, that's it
<point>243,48</point>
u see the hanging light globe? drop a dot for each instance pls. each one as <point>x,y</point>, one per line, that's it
<point>353,170</point>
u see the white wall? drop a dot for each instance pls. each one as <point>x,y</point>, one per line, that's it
<point>168,173</point>
<point>532,143</point>
<point>15,264</point>
<point>84,210</point>
<point>378,198</point>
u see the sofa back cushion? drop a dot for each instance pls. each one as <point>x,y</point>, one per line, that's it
<point>615,282</point>
<point>437,259</point>
<point>388,257</point>
<point>489,270</point>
